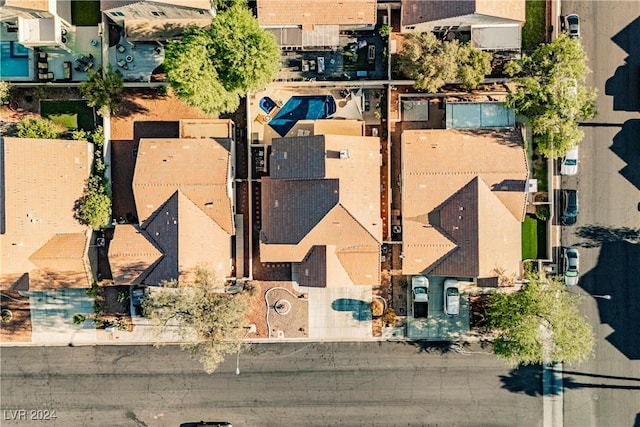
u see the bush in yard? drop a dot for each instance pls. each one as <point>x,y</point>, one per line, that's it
<point>103,92</point>
<point>543,213</point>
<point>39,128</point>
<point>377,307</point>
<point>433,63</point>
<point>211,69</point>
<point>5,91</point>
<point>94,207</point>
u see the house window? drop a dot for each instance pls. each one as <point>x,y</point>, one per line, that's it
<point>158,13</point>
<point>116,13</point>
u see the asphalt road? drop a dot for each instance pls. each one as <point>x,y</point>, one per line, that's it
<point>605,390</point>
<point>372,384</point>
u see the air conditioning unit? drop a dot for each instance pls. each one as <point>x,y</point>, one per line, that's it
<point>101,241</point>
<point>344,154</point>
<point>397,229</point>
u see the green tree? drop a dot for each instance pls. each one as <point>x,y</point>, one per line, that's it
<point>103,91</point>
<point>551,92</point>
<point>37,127</point>
<point>209,323</point>
<point>94,207</point>
<point>211,69</point>
<point>6,90</point>
<point>540,323</point>
<point>433,63</point>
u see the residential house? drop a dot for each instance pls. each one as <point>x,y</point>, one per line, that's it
<point>463,202</point>
<point>487,24</point>
<point>157,20</point>
<point>37,22</point>
<point>321,209</point>
<point>42,245</point>
<point>183,190</point>
<point>309,24</point>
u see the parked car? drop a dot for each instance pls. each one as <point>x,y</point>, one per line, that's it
<point>573,25</point>
<point>570,212</point>
<point>571,266</point>
<point>451,297</point>
<point>570,162</point>
<point>420,291</point>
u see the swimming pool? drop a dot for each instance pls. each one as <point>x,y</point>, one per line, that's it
<point>14,60</point>
<point>302,108</point>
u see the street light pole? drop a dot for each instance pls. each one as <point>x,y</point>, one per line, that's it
<point>607,296</point>
<point>250,329</point>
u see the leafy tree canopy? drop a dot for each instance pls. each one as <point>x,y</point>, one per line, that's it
<point>540,323</point>
<point>210,324</point>
<point>103,92</point>
<point>551,93</point>
<point>94,207</point>
<point>433,63</point>
<point>37,127</point>
<point>211,69</point>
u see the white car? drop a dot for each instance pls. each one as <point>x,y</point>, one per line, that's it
<point>571,266</point>
<point>569,164</point>
<point>573,25</point>
<point>451,297</point>
<point>420,288</point>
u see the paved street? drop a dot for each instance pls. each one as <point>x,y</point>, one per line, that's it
<point>384,384</point>
<point>604,390</point>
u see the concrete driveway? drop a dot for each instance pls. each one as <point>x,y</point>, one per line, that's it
<point>340,313</point>
<point>438,326</point>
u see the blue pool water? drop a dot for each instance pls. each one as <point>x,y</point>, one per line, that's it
<point>14,60</point>
<point>302,108</point>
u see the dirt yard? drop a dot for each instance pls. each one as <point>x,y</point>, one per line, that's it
<point>18,329</point>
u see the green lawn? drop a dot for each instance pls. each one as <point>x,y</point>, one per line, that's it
<point>69,113</point>
<point>541,173</point>
<point>534,30</point>
<point>529,238</point>
<point>85,13</point>
<point>534,238</point>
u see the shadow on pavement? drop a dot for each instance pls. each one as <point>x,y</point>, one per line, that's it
<point>524,379</point>
<point>624,85</point>
<point>361,309</point>
<point>626,145</point>
<point>616,273</point>
<point>598,235</point>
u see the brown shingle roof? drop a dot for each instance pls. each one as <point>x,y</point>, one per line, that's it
<point>463,201</point>
<point>340,211</point>
<point>198,167</point>
<point>308,13</point>
<point>419,11</point>
<point>40,182</point>
<point>188,238</point>
<point>130,254</point>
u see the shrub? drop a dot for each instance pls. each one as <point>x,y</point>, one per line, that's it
<point>32,127</point>
<point>78,319</point>
<point>377,307</point>
<point>543,212</point>
<point>389,317</point>
<point>384,31</point>
<point>5,92</point>
<point>94,207</point>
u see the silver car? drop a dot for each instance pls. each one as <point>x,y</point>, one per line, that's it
<point>420,288</point>
<point>573,25</point>
<point>451,297</point>
<point>571,266</point>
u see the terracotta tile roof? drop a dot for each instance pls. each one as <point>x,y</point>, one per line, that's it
<point>198,167</point>
<point>191,4</point>
<point>463,201</point>
<point>339,210</point>
<point>131,253</point>
<point>420,11</point>
<point>308,13</point>
<point>39,5</point>
<point>187,238</point>
<point>40,183</point>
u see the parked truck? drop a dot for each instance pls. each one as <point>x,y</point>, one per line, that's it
<point>420,292</point>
